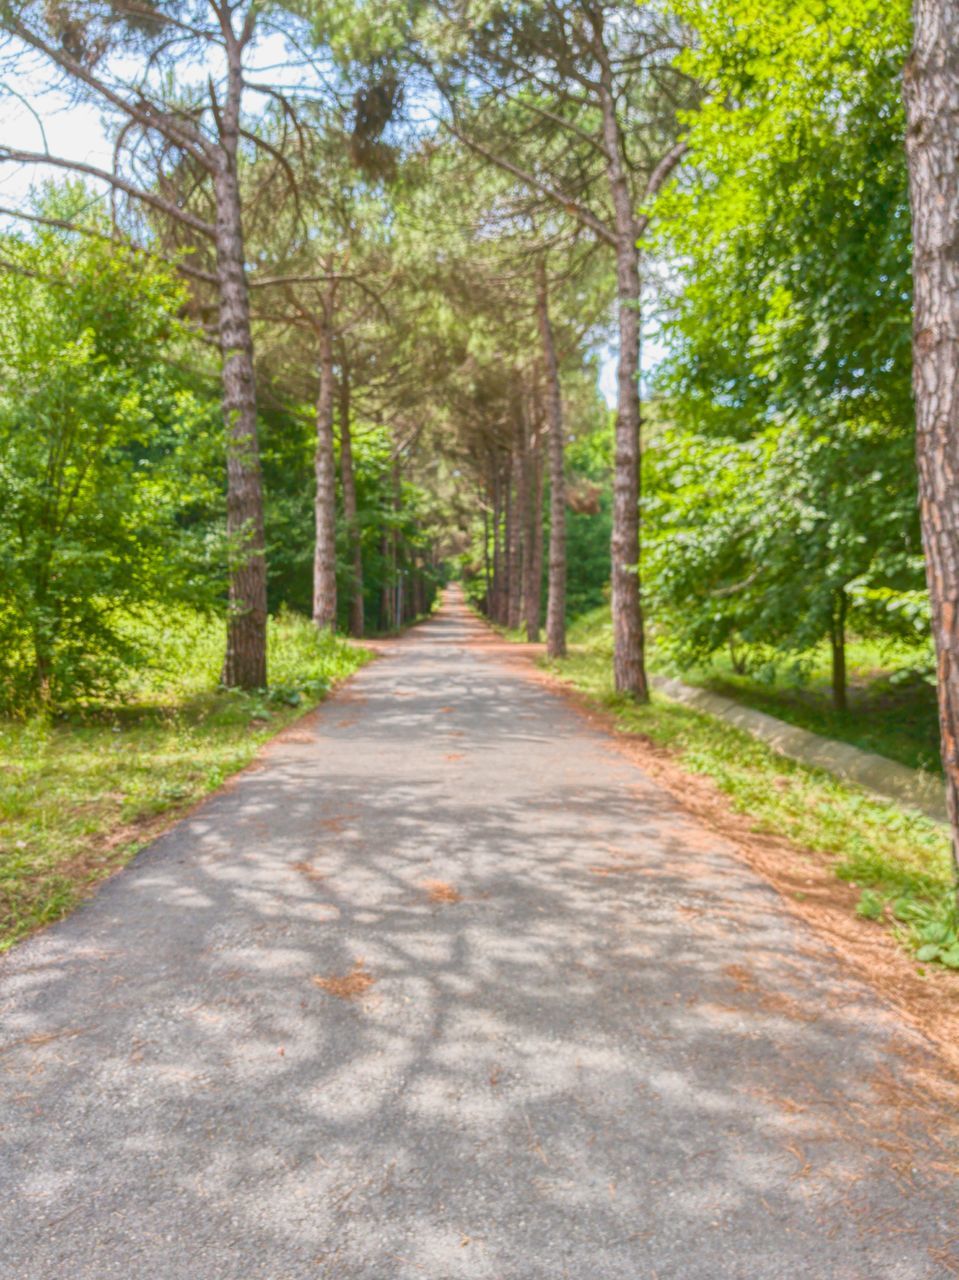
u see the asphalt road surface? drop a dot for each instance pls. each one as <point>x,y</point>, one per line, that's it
<point>445,987</point>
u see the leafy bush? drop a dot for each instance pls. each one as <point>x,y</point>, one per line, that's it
<point>101,465</point>
<point>184,649</point>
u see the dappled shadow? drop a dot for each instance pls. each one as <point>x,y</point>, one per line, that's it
<point>602,1053</point>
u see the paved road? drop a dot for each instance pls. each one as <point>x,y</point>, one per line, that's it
<point>563,1031</point>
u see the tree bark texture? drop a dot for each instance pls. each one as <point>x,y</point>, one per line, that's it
<point>533,559</point>
<point>628,641</point>
<point>324,553</point>
<point>518,523</point>
<point>556,591</point>
<point>386,589</point>
<point>507,580</point>
<point>487,566</point>
<point>497,595</point>
<point>395,579</point>
<point>628,646</point>
<point>348,482</point>
<point>417,588</point>
<point>245,664</point>
<point>931,90</point>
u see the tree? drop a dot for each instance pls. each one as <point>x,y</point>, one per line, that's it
<point>579,104</point>
<point>101,463</point>
<point>331,254</point>
<point>795,428</point>
<point>791,225</point>
<point>357,621</point>
<point>176,140</point>
<point>932,104</point>
<point>502,266</point>
<point>556,606</point>
<point>769,544</point>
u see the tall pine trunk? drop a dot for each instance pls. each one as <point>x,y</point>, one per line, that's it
<point>487,567</point>
<point>507,544</point>
<point>556,592</point>
<point>417,592</point>
<point>533,559</point>
<point>931,86</point>
<point>628,646</point>
<point>396,609</point>
<point>394,612</point>
<point>245,664</point>
<point>348,482</point>
<point>386,587</point>
<point>517,525</point>
<point>496,607</point>
<point>324,554</point>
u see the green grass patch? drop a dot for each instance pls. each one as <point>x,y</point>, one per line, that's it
<point>892,704</point>
<point>900,859</point>
<point>80,794</point>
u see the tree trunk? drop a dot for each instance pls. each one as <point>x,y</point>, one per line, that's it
<point>349,504</point>
<point>245,664</point>
<point>487,568</point>
<point>386,586</point>
<point>517,525</point>
<point>628,656</point>
<point>628,642</point>
<point>507,583</point>
<point>417,593</point>
<point>324,556</point>
<point>497,596</point>
<point>556,595</point>
<point>837,639</point>
<point>533,563</point>
<point>397,609</point>
<point>931,86</point>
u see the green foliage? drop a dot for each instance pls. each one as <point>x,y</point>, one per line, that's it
<point>892,708</point>
<point>80,794</point>
<point>103,452</point>
<point>870,905</point>
<point>751,541</point>
<point>288,443</point>
<point>932,927</point>
<point>589,520</point>
<point>186,648</point>
<point>793,224</point>
<point>588,514</point>
<point>783,496</point>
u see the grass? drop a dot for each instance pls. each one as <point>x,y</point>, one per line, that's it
<point>900,860</point>
<point>79,794</point>
<point>892,707</point>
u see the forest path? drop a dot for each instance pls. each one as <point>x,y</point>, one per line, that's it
<point>558,1029</point>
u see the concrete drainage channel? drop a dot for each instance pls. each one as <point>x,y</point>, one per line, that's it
<point>874,773</point>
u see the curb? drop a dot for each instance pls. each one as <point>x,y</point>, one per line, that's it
<point>885,778</point>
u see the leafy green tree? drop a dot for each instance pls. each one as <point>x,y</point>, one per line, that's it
<point>104,454</point>
<point>790,231</point>
<point>775,542</point>
<point>578,104</point>
<point>785,492</point>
